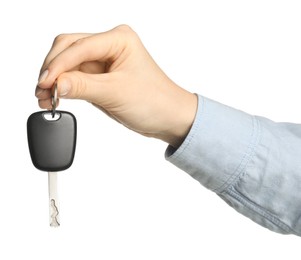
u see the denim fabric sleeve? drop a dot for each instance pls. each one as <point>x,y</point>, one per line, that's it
<point>251,162</point>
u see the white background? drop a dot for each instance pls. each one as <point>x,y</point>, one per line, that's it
<point>121,199</point>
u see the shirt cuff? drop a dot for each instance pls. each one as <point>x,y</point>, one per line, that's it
<point>219,145</point>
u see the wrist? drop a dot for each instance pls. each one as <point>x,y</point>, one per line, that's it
<point>179,116</point>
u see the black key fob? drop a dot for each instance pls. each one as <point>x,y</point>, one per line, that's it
<point>52,139</point>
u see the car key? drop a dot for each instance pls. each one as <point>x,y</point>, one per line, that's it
<point>52,139</point>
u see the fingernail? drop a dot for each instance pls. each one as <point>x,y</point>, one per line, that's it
<point>64,87</point>
<point>43,76</point>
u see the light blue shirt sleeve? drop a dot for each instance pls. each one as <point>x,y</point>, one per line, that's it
<point>251,162</point>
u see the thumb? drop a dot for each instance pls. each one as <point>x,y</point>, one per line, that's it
<point>80,85</point>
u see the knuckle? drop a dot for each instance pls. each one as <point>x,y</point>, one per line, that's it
<point>61,38</point>
<point>124,27</point>
<point>126,30</point>
<point>127,34</point>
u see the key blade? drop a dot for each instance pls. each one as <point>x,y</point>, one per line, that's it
<point>54,209</point>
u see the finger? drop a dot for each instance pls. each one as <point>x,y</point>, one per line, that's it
<point>42,93</point>
<point>47,103</point>
<point>105,46</point>
<point>60,43</point>
<point>92,67</point>
<point>79,85</point>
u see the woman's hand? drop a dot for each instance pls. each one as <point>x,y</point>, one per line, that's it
<point>114,72</point>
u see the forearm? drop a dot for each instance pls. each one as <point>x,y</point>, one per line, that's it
<point>251,162</point>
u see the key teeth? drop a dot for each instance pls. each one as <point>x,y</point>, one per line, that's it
<point>54,215</point>
<point>54,225</point>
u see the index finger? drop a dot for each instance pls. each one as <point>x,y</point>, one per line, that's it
<point>60,43</point>
<point>106,46</point>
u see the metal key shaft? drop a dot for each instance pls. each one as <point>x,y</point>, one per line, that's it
<point>54,209</point>
<point>52,179</point>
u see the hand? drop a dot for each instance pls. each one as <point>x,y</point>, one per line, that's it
<point>114,72</point>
